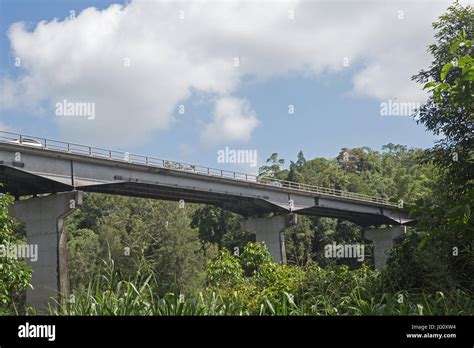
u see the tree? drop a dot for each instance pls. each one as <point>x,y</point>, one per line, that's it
<point>440,254</point>
<point>356,160</point>
<point>254,256</point>
<point>301,161</point>
<point>298,242</point>
<point>141,236</point>
<point>224,270</point>
<point>15,276</point>
<point>449,111</point>
<point>221,227</point>
<point>273,167</point>
<point>294,173</point>
<point>179,256</point>
<point>83,250</point>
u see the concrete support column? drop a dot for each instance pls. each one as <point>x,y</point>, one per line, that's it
<point>270,230</point>
<point>383,242</point>
<point>44,221</point>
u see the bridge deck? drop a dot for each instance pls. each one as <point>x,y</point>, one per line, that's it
<point>52,166</point>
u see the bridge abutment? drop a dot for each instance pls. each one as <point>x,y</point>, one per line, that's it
<point>383,239</point>
<point>44,221</point>
<point>270,230</point>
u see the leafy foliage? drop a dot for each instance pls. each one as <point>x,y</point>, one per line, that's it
<point>255,255</point>
<point>221,227</point>
<point>14,274</point>
<point>449,110</point>
<point>152,236</point>
<point>224,270</point>
<point>440,254</point>
<point>333,291</point>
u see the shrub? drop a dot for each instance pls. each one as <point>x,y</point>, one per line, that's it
<point>275,280</point>
<point>254,256</point>
<point>224,270</point>
<point>15,276</point>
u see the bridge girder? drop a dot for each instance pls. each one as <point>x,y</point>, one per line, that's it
<point>44,171</point>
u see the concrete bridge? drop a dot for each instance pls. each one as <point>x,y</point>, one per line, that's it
<point>32,166</point>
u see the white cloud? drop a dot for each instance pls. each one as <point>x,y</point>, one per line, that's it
<point>82,59</point>
<point>233,120</point>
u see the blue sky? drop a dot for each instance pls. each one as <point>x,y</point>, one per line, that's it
<point>246,107</point>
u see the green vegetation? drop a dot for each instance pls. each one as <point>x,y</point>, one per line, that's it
<point>163,259</point>
<point>152,237</point>
<point>271,289</point>
<point>14,274</point>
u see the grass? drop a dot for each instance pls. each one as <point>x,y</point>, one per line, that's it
<point>108,295</point>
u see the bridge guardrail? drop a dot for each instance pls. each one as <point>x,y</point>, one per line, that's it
<point>97,152</point>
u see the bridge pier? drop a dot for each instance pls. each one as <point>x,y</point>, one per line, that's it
<point>44,220</point>
<point>383,242</point>
<point>270,230</point>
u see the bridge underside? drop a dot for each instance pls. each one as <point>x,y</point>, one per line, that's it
<point>21,183</point>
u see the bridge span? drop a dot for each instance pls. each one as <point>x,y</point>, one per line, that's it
<point>48,166</point>
<point>31,166</point>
